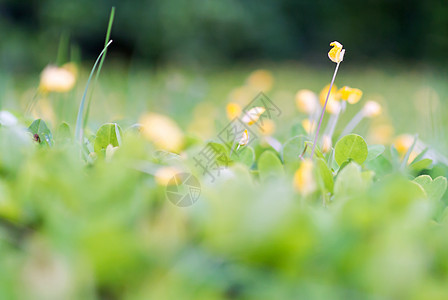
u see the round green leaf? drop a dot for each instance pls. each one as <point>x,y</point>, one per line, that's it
<point>244,155</point>
<point>351,147</point>
<point>269,165</point>
<point>375,151</point>
<point>108,134</point>
<point>293,148</point>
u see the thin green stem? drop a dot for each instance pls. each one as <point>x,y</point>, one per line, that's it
<point>79,129</point>
<point>353,123</point>
<point>32,104</point>
<point>408,153</point>
<point>109,30</point>
<point>323,109</point>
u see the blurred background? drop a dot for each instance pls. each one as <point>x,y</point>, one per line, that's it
<point>217,32</point>
<point>188,58</point>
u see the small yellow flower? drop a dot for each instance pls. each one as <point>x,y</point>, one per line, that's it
<point>261,80</point>
<point>333,105</point>
<point>268,127</point>
<point>306,101</point>
<point>241,95</point>
<point>403,142</point>
<point>58,79</point>
<point>351,95</point>
<point>252,116</point>
<point>336,54</point>
<point>304,178</point>
<point>381,134</point>
<point>308,126</point>
<point>372,109</point>
<point>162,131</point>
<point>164,174</point>
<point>244,139</point>
<point>233,110</point>
<point>326,143</point>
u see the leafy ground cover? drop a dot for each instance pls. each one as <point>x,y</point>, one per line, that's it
<point>85,209</point>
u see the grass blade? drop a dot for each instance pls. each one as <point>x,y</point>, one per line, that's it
<point>79,128</point>
<point>109,29</point>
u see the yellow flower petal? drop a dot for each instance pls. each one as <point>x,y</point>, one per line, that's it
<point>268,127</point>
<point>336,54</point>
<point>164,174</point>
<point>372,109</point>
<point>253,115</point>
<point>162,131</point>
<point>233,110</point>
<point>244,139</point>
<point>308,126</point>
<point>261,80</point>
<point>333,105</point>
<point>326,144</point>
<point>55,79</point>
<point>403,142</point>
<point>351,95</point>
<point>381,134</point>
<point>304,181</point>
<point>306,101</point>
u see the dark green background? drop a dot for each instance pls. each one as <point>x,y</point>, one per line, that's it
<point>222,31</point>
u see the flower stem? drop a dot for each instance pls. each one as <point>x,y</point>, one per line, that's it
<point>353,123</point>
<point>323,109</point>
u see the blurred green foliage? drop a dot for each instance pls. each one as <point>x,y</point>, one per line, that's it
<point>214,31</point>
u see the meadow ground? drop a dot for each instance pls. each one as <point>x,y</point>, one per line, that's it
<point>91,219</point>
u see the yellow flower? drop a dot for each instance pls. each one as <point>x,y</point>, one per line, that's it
<point>260,80</point>
<point>306,101</point>
<point>164,174</point>
<point>326,143</point>
<point>162,131</point>
<point>381,134</point>
<point>268,127</point>
<point>241,95</point>
<point>253,115</point>
<point>333,105</point>
<point>244,139</point>
<point>308,126</point>
<point>351,95</point>
<point>233,110</point>
<point>336,54</point>
<point>58,79</point>
<point>403,142</point>
<point>304,178</point>
<point>372,109</point>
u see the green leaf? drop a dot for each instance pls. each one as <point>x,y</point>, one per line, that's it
<point>269,165</point>
<point>380,165</point>
<point>395,157</point>
<point>433,188</point>
<point>63,133</point>
<point>316,150</point>
<point>221,153</point>
<point>41,132</point>
<point>244,155</point>
<point>351,147</point>
<point>374,151</point>
<point>324,174</point>
<point>418,166</point>
<point>293,148</point>
<point>349,181</point>
<point>108,134</point>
